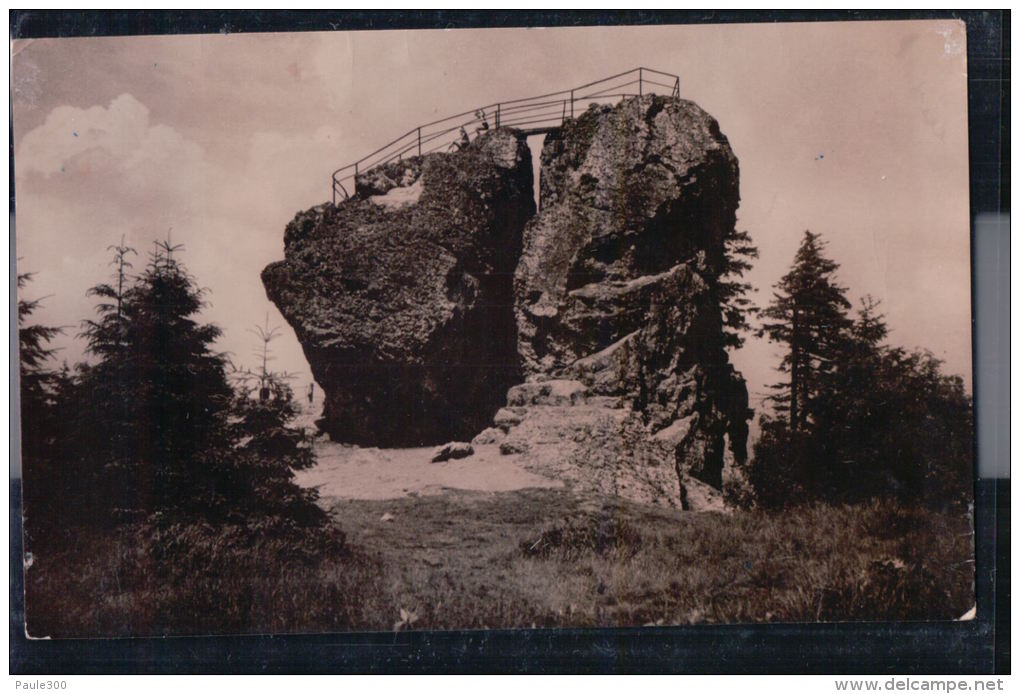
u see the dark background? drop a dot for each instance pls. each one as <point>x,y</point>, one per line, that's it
<point>978,646</point>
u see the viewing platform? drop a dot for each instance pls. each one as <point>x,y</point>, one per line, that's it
<point>534,115</point>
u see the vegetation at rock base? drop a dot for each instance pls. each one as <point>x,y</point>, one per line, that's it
<point>532,558</point>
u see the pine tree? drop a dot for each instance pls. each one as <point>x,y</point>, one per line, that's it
<point>40,422</point>
<point>808,314</point>
<point>107,337</point>
<point>271,448</point>
<point>732,292</point>
<point>167,432</point>
<point>159,392</point>
<point>894,424</point>
<point>33,350</point>
<point>851,417</point>
<point>863,419</point>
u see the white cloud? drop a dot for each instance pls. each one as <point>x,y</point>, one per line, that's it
<point>119,136</point>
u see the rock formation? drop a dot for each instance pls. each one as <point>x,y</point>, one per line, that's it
<point>595,443</point>
<point>615,286</point>
<point>421,300</point>
<point>402,297</point>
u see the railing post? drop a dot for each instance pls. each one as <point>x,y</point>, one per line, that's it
<point>497,114</point>
<point>640,83</point>
<point>571,103</point>
<point>419,142</point>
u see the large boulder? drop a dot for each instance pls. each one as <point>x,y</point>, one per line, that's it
<point>616,283</point>
<point>402,296</point>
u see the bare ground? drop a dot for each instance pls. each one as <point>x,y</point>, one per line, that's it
<point>351,472</point>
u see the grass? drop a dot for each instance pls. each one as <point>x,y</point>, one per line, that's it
<point>533,558</point>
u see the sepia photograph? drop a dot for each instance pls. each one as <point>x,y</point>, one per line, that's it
<point>494,328</point>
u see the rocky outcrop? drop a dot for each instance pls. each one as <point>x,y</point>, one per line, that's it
<point>436,289</point>
<point>402,296</point>
<point>615,283</point>
<point>594,443</point>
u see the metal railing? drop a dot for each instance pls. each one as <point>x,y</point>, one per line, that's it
<point>533,115</point>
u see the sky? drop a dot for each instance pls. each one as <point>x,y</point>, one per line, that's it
<point>856,131</point>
